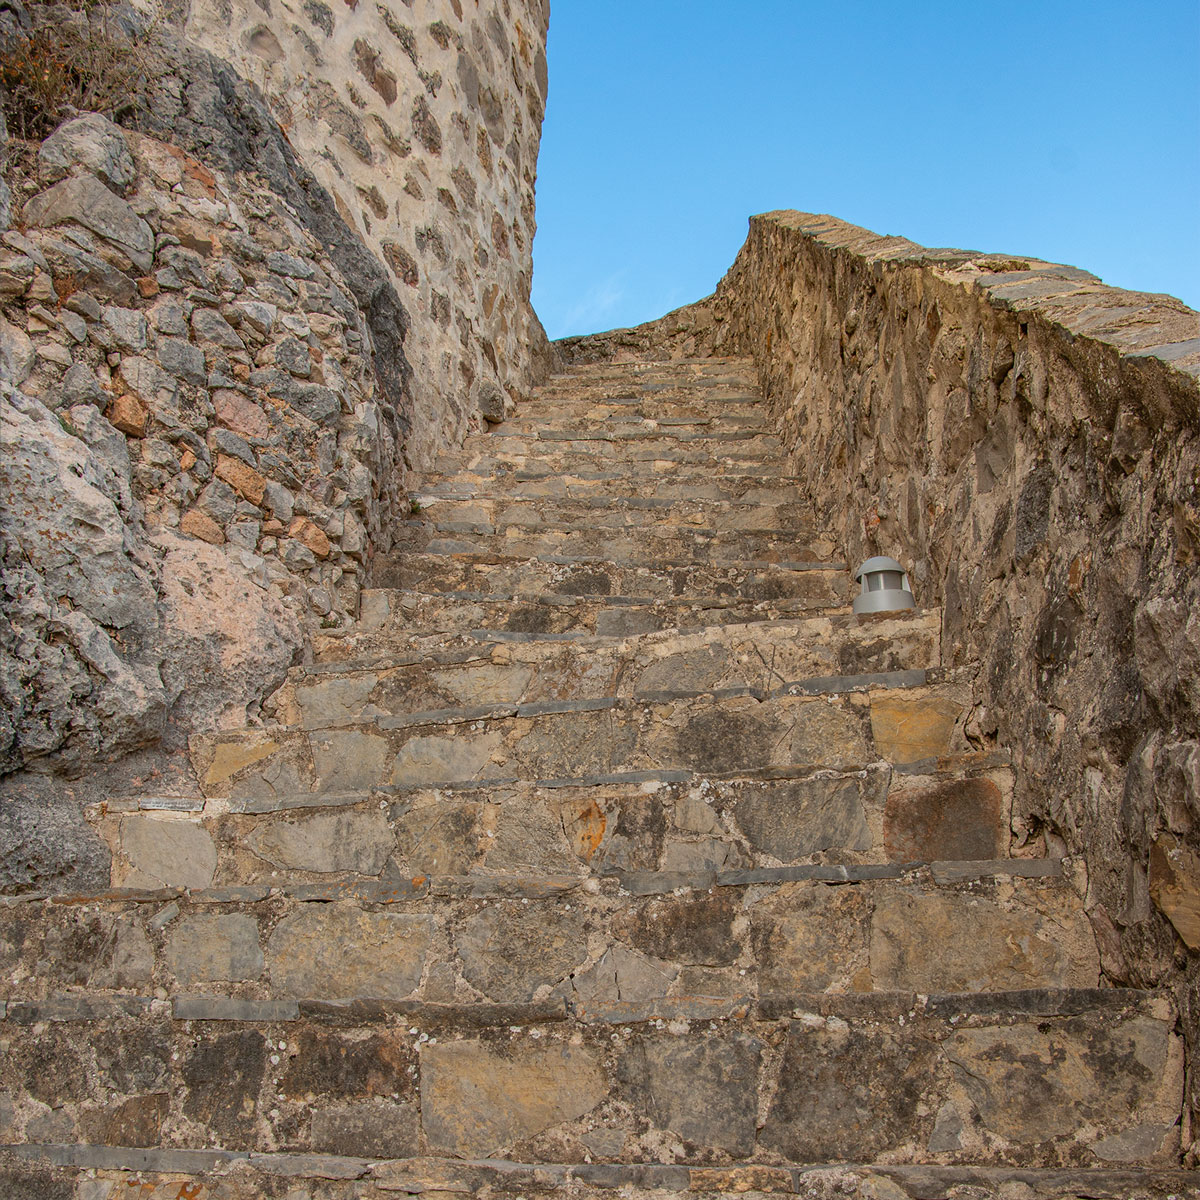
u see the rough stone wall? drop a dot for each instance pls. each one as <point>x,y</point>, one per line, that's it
<point>422,119</point>
<point>191,447</point>
<point>1027,441</point>
<point>216,372</point>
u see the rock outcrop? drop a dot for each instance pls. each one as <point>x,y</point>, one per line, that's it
<point>221,357</point>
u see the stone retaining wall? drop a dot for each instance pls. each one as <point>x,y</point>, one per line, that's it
<point>1027,441</point>
<point>225,340</point>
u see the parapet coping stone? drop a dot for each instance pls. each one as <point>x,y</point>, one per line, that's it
<point>1029,287</point>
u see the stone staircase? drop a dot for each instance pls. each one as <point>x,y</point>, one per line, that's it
<point>609,854</point>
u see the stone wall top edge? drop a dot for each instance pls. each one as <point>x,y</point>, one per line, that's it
<point>1136,324</point>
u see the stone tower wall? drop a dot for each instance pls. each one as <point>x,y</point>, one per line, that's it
<point>422,119</point>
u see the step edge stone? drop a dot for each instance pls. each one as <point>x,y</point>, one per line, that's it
<point>409,1175</point>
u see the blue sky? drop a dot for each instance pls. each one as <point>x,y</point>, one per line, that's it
<point>1063,130</point>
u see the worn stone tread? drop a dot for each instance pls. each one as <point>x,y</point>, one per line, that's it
<point>823,585</point>
<point>599,486</point>
<point>393,619</point>
<point>451,1087</point>
<point>713,735</point>
<point>497,512</point>
<point>831,641</point>
<point>664,543</point>
<point>809,656</point>
<point>210,1172</point>
<point>672,948</point>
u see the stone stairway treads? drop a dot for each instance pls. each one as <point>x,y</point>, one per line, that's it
<point>598,486</point>
<point>1004,926</point>
<point>837,723</point>
<point>649,831</point>
<point>421,673</point>
<point>640,547</point>
<point>1009,1078</point>
<point>822,585</point>
<point>395,616</point>
<point>609,854</point>
<point>498,513</point>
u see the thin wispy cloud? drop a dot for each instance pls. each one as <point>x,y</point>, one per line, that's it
<point>584,312</point>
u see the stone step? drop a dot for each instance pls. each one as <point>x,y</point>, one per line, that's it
<point>495,459</point>
<point>670,445</point>
<point>494,512</point>
<point>107,1172</point>
<point>819,585</point>
<point>1050,1079</point>
<point>683,372</point>
<point>601,486</point>
<point>650,832</point>
<point>832,725</point>
<point>512,940</point>
<point>687,410</point>
<point>427,672</point>
<point>569,433</point>
<point>646,545</point>
<point>390,617</point>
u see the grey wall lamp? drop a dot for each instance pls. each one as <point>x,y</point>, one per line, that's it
<point>885,587</point>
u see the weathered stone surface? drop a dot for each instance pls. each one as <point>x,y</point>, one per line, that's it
<point>1175,887</point>
<point>71,688</point>
<point>698,932</point>
<point>366,1130</point>
<point>477,1098</point>
<point>162,850</point>
<point>229,642</point>
<point>792,821</point>
<point>440,838</point>
<point>509,952</point>
<point>960,819</point>
<point>847,1093</point>
<point>961,943</point>
<point>350,841</point>
<point>336,1065</point>
<point>339,952</point>
<point>46,843</point>
<point>203,948</point>
<point>222,1075</point>
<point>621,974</point>
<point>88,143</point>
<point>703,1091</point>
<point>1030,1084</point>
<point>84,200</point>
<point>813,938</point>
<point>907,730</point>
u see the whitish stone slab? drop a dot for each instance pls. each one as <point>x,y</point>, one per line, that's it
<point>171,852</point>
<point>204,948</point>
<point>338,952</point>
<point>476,1099</point>
<point>354,841</point>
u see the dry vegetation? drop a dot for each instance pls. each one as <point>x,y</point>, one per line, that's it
<point>77,55</point>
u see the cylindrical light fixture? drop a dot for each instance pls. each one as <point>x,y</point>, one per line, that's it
<point>885,587</point>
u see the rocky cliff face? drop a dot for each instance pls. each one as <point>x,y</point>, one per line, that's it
<point>228,328</point>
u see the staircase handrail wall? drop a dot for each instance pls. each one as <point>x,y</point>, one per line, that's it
<point>1027,441</point>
